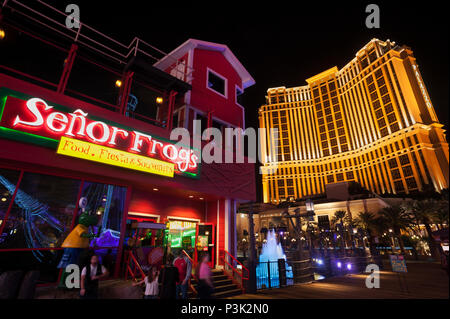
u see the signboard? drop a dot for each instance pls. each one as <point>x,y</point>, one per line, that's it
<point>398,263</point>
<point>202,243</point>
<point>106,155</point>
<point>34,120</point>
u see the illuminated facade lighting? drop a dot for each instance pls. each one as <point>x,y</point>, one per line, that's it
<point>118,83</point>
<point>371,122</point>
<point>159,100</point>
<point>2,34</point>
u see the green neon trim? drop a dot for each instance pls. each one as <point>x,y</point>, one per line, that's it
<point>28,137</point>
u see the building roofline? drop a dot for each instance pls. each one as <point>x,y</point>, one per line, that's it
<point>164,63</point>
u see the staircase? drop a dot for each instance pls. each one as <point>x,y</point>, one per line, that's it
<point>223,285</point>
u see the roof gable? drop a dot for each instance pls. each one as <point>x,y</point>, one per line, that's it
<point>168,60</point>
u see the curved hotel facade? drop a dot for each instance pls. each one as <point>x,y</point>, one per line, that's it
<point>371,122</point>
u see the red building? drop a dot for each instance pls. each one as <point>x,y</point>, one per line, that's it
<point>67,132</point>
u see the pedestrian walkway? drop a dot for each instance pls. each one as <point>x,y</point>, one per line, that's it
<point>423,280</point>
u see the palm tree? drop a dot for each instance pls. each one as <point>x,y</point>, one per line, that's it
<point>367,221</point>
<point>440,216</point>
<point>339,216</point>
<point>397,219</point>
<point>423,211</point>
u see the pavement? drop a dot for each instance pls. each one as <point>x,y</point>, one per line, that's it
<point>424,280</point>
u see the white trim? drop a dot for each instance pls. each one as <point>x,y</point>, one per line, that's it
<point>209,70</point>
<point>235,95</point>
<point>144,215</point>
<point>183,218</point>
<point>236,102</point>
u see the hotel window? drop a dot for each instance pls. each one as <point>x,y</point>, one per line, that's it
<point>217,83</point>
<point>349,175</point>
<point>330,179</point>
<point>392,163</point>
<point>339,177</point>
<point>378,73</point>
<point>391,118</point>
<point>407,171</point>
<point>273,100</point>
<point>411,183</point>
<point>394,127</point>
<point>404,159</point>
<point>376,104</point>
<point>383,90</point>
<point>396,173</point>
<point>399,186</point>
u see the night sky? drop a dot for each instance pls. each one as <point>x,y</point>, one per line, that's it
<point>283,43</point>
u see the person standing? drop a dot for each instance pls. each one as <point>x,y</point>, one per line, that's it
<point>151,284</point>
<point>90,275</point>
<point>184,267</point>
<point>204,278</point>
<point>168,278</point>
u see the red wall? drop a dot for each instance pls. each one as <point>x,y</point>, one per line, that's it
<point>206,100</point>
<point>166,205</point>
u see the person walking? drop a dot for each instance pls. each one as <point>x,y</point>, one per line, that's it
<point>90,275</point>
<point>168,279</point>
<point>184,267</point>
<point>204,278</point>
<point>151,283</point>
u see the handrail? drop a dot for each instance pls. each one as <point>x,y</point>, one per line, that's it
<point>189,257</point>
<point>237,261</point>
<point>193,267</point>
<point>136,266</point>
<point>235,270</point>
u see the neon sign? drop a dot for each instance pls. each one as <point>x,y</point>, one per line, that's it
<point>47,124</point>
<point>106,155</point>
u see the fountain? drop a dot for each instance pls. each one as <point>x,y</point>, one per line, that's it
<point>271,252</point>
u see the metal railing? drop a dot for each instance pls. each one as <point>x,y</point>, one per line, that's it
<point>132,267</point>
<point>191,286</point>
<point>53,19</point>
<point>235,270</point>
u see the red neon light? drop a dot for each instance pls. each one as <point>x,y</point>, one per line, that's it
<point>38,117</point>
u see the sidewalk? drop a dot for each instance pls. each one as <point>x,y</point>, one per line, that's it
<point>423,280</point>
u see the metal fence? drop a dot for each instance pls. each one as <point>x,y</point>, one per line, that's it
<point>273,274</point>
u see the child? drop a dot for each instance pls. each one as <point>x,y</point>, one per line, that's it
<point>151,284</point>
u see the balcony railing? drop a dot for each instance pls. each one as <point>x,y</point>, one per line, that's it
<point>84,63</point>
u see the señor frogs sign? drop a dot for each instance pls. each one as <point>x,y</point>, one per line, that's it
<point>32,119</point>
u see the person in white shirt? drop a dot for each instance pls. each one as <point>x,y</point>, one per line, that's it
<point>151,284</point>
<point>90,276</point>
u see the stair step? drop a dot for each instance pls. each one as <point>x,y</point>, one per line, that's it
<point>227,293</point>
<point>224,288</point>
<point>217,283</point>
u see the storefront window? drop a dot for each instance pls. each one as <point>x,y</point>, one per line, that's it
<point>41,218</point>
<point>42,214</point>
<point>8,182</point>
<point>181,234</point>
<point>107,202</point>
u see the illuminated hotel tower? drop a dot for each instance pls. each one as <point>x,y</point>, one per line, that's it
<point>371,122</point>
